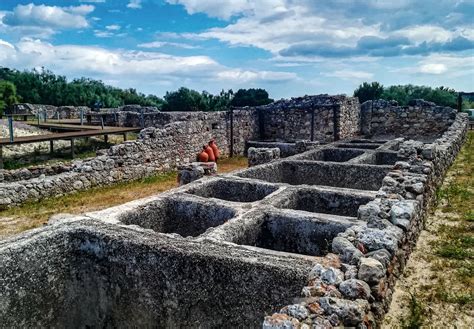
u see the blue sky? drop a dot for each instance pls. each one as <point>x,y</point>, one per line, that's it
<point>289,47</point>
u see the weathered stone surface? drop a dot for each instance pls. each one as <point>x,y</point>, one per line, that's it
<point>258,156</point>
<point>402,213</point>
<point>355,289</point>
<point>296,311</point>
<point>349,312</point>
<point>370,270</point>
<point>346,250</point>
<point>329,275</point>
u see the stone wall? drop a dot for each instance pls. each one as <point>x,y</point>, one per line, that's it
<point>353,286</point>
<point>419,118</point>
<point>333,117</point>
<point>229,250</point>
<point>52,112</point>
<point>156,150</point>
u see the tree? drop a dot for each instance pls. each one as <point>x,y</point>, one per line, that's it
<point>368,91</point>
<point>403,94</point>
<point>184,99</point>
<point>251,97</point>
<point>8,95</point>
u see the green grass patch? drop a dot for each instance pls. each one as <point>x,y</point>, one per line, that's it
<point>417,314</point>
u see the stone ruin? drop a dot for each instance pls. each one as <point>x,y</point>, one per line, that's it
<point>312,240</point>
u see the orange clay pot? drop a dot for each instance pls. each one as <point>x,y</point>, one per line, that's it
<point>215,149</point>
<point>203,156</point>
<point>210,152</point>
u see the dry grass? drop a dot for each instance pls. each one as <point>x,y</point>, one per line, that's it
<point>35,214</point>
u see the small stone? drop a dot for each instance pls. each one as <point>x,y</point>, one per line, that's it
<point>349,312</point>
<point>332,276</point>
<point>346,250</point>
<point>296,311</point>
<point>280,321</point>
<point>381,255</point>
<point>370,270</point>
<point>355,289</point>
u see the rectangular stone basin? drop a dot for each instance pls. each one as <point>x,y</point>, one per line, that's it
<point>354,176</point>
<point>324,201</point>
<point>233,190</point>
<point>333,155</point>
<point>380,158</point>
<point>91,275</point>
<point>179,215</point>
<point>367,146</point>
<point>293,233</point>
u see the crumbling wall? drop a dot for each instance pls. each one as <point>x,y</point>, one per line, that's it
<point>419,118</point>
<point>328,118</point>
<point>51,111</point>
<point>156,150</point>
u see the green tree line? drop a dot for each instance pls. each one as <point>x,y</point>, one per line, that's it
<point>44,87</point>
<point>403,94</point>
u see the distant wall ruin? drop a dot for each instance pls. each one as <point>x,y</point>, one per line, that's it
<point>418,118</point>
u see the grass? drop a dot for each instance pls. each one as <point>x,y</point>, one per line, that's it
<point>416,316</point>
<point>35,214</point>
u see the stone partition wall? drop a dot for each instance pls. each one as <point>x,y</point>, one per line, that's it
<point>419,118</point>
<point>334,118</point>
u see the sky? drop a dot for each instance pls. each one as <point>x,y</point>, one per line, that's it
<point>289,47</point>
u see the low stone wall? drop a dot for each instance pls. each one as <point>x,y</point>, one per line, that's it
<point>156,150</point>
<point>33,172</point>
<point>420,118</point>
<point>51,111</point>
<point>353,286</point>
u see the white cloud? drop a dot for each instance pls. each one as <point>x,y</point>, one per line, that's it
<point>449,66</point>
<point>433,68</point>
<point>244,76</point>
<point>127,65</point>
<point>48,17</point>
<point>103,34</point>
<point>161,44</point>
<point>350,75</point>
<point>92,1</point>
<point>280,25</point>
<point>420,33</point>
<point>113,27</point>
<point>221,9</point>
<point>135,4</point>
